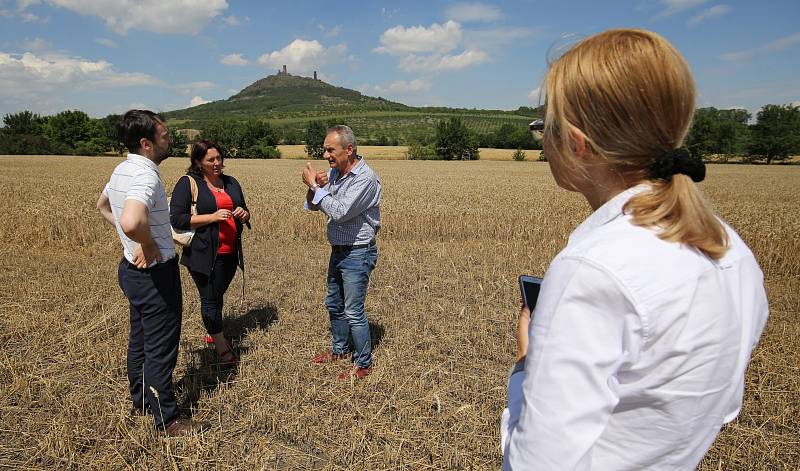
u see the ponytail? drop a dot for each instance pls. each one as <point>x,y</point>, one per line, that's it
<point>681,214</point>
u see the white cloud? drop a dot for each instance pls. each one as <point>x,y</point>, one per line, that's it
<point>106,42</point>
<point>783,43</point>
<point>673,7</point>
<point>47,82</point>
<point>35,44</point>
<point>234,59</point>
<point>709,13</point>
<point>401,87</point>
<point>57,70</point>
<point>773,46</point>
<point>472,12</point>
<point>157,16</point>
<point>301,56</point>
<point>330,32</point>
<point>431,48</point>
<point>415,39</point>
<point>536,95</point>
<point>231,21</point>
<point>488,39</point>
<point>436,62</point>
<point>387,14</point>
<point>193,87</point>
<point>197,100</point>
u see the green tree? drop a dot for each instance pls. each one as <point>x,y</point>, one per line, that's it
<point>716,131</point>
<point>315,138</point>
<point>23,122</point>
<point>69,129</point>
<point>180,142</point>
<point>454,141</point>
<point>776,134</point>
<point>110,127</point>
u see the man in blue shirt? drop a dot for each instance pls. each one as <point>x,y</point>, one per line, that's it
<point>350,197</point>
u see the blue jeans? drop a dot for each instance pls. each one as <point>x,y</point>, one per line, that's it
<point>348,278</point>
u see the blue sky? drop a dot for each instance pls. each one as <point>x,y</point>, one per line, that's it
<point>106,56</point>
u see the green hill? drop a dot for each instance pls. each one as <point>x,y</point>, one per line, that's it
<point>284,95</point>
<point>291,101</point>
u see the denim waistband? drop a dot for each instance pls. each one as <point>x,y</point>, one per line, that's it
<point>343,248</point>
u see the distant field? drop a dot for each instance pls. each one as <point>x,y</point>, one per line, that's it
<point>442,308</point>
<point>399,153</point>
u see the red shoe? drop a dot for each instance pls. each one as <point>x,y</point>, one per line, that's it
<point>355,372</point>
<point>228,358</point>
<point>209,340</point>
<point>330,357</point>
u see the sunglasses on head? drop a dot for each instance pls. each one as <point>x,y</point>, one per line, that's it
<point>537,129</point>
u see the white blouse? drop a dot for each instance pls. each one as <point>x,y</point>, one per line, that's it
<point>638,350</point>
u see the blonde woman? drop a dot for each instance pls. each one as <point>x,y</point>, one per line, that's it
<point>635,354</point>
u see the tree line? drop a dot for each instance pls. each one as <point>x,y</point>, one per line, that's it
<point>716,135</point>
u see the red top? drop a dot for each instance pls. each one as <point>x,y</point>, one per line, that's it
<point>227,228</point>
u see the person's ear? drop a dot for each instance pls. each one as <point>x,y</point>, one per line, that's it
<point>579,145</point>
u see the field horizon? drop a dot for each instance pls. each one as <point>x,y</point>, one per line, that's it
<point>441,305</point>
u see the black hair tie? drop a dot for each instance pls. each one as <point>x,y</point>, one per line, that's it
<point>678,161</point>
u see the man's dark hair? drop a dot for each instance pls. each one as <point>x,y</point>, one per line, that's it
<point>138,124</point>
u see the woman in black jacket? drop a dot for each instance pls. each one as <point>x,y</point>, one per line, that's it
<point>216,248</point>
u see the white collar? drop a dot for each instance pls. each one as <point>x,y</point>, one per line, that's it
<point>608,212</point>
<point>142,159</point>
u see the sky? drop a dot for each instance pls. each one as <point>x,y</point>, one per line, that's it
<point>107,56</point>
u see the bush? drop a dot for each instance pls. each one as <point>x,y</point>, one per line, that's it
<point>518,155</point>
<point>26,144</point>
<point>419,151</point>
<point>260,151</point>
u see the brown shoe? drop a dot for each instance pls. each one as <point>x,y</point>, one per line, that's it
<point>330,357</point>
<point>355,372</point>
<point>182,427</point>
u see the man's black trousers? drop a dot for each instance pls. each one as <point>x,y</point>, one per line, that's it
<point>156,305</point>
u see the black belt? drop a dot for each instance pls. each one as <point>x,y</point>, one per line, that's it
<point>341,248</point>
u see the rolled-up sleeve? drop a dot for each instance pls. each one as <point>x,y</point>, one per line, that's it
<point>360,195</point>
<point>583,329</point>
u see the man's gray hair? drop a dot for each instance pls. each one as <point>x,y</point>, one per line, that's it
<point>346,135</point>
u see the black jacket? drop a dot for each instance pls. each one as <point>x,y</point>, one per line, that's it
<point>200,255</point>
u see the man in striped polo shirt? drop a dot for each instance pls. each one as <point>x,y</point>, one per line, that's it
<point>350,196</point>
<point>135,203</point>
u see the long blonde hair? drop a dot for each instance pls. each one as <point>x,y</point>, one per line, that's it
<point>632,96</point>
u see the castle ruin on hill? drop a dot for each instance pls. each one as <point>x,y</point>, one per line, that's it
<point>285,73</point>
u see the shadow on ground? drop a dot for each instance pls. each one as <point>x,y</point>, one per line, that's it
<point>204,372</point>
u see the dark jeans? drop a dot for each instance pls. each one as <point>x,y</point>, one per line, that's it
<point>156,303</point>
<point>212,291</point>
<point>348,278</point>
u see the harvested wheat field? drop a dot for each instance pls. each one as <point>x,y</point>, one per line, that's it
<point>442,305</point>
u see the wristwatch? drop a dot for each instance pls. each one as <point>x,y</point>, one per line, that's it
<point>313,187</point>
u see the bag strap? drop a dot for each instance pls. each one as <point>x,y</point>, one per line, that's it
<point>193,186</point>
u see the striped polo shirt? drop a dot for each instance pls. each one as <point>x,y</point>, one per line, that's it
<point>137,178</point>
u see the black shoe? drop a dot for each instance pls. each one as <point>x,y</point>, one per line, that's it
<point>182,427</point>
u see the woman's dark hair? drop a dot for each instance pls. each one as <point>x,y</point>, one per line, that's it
<point>199,150</point>
<point>136,125</point>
